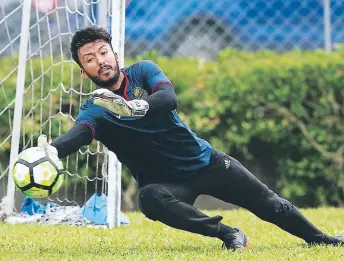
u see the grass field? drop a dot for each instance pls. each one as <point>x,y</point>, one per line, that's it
<point>148,240</point>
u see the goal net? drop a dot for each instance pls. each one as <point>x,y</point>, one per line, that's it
<point>36,66</point>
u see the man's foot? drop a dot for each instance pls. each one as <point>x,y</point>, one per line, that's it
<point>328,240</point>
<point>235,240</point>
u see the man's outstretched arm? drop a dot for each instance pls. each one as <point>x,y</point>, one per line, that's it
<point>162,96</point>
<point>68,143</point>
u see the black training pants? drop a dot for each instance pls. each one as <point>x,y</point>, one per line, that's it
<point>227,179</point>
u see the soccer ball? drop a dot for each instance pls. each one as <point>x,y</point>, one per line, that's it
<point>38,173</point>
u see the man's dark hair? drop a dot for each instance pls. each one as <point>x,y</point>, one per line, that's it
<point>87,35</point>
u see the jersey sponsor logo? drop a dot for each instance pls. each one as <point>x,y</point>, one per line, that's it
<point>139,93</point>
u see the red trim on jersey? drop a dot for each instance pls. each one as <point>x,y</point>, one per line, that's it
<point>126,86</point>
<point>157,84</point>
<point>90,126</point>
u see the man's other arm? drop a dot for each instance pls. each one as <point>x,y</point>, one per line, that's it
<point>163,98</point>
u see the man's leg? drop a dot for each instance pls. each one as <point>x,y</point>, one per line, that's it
<point>171,204</point>
<point>228,180</point>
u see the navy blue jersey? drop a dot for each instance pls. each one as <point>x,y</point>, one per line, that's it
<point>158,146</point>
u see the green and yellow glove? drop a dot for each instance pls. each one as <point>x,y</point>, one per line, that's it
<point>118,105</point>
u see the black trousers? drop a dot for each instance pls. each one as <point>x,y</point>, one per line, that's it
<point>227,179</point>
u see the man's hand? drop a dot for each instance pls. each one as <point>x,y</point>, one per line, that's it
<point>119,106</point>
<point>43,143</point>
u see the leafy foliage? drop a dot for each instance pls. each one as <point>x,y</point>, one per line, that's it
<point>283,110</point>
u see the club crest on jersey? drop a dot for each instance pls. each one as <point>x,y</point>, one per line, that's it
<point>140,93</point>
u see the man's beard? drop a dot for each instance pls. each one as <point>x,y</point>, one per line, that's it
<point>107,83</point>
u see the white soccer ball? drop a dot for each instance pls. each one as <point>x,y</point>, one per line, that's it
<point>38,173</point>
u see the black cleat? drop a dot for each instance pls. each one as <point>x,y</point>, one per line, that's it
<point>339,240</point>
<point>328,240</point>
<point>235,240</point>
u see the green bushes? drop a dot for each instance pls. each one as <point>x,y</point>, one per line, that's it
<point>284,112</point>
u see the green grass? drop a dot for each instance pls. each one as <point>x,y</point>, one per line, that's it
<point>148,240</point>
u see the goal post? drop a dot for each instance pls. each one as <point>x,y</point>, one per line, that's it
<point>17,118</point>
<point>49,91</point>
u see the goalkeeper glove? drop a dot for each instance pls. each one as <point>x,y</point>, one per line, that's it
<point>43,143</point>
<point>118,105</point>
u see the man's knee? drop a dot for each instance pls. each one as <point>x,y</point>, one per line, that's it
<point>274,208</point>
<point>152,200</point>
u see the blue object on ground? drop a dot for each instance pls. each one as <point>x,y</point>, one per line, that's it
<point>95,210</point>
<point>32,207</point>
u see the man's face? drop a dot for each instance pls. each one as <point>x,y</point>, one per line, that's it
<point>99,63</point>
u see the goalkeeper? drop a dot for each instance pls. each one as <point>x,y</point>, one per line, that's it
<point>133,113</point>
